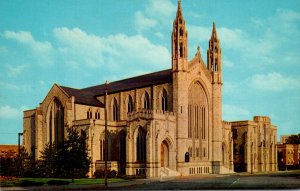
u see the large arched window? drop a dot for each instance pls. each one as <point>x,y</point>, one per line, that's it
<point>56,122</point>
<point>164,100</point>
<point>197,112</point>
<point>130,104</point>
<point>146,101</point>
<point>141,145</point>
<point>115,110</point>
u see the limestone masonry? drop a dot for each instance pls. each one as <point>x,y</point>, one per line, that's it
<point>167,123</point>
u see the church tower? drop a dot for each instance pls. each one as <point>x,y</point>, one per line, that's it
<point>179,43</point>
<point>214,54</point>
<point>180,82</point>
<point>214,64</point>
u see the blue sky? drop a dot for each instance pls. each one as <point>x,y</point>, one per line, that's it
<point>83,43</point>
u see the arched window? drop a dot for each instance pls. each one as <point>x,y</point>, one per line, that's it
<point>130,104</point>
<point>89,114</point>
<point>164,100</point>
<point>146,101</point>
<point>115,110</point>
<point>56,122</point>
<point>97,114</point>
<point>180,32</point>
<point>141,145</point>
<point>181,50</point>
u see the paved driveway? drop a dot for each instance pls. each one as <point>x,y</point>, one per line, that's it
<point>284,180</point>
<point>278,180</point>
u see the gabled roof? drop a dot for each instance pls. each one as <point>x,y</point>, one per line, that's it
<point>83,97</point>
<point>155,78</point>
<point>87,96</point>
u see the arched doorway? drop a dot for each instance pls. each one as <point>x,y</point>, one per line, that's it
<point>164,154</point>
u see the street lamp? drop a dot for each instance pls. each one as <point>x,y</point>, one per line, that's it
<point>19,153</point>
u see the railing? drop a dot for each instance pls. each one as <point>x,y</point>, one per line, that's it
<point>149,114</point>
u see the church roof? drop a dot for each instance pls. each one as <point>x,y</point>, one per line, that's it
<point>87,96</point>
<point>83,97</point>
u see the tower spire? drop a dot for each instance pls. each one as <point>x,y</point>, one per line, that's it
<point>179,42</point>
<point>214,34</point>
<point>214,54</point>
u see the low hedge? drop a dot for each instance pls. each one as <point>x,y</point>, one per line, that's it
<point>25,183</point>
<point>58,182</point>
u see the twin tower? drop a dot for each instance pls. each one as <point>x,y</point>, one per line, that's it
<point>197,99</point>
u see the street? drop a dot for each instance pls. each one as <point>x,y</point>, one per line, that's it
<point>286,180</point>
<point>276,180</point>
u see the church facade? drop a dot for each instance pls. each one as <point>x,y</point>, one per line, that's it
<point>164,123</point>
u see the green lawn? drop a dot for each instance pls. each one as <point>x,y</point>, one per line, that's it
<point>81,181</point>
<point>77,181</point>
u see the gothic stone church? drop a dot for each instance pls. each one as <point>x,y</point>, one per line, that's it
<point>163,123</point>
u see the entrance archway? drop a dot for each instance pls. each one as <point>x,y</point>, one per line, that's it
<point>164,154</point>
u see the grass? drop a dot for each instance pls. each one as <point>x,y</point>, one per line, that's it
<point>82,181</point>
<point>77,181</point>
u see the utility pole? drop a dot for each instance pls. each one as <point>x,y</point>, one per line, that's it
<point>105,133</point>
<point>19,153</point>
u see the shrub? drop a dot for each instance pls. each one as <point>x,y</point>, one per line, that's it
<point>58,182</point>
<point>29,183</point>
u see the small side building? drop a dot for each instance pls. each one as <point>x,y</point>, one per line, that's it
<point>288,156</point>
<point>254,145</point>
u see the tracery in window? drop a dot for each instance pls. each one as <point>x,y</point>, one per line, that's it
<point>130,104</point>
<point>164,100</point>
<point>146,101</point>
<point>115,110</point>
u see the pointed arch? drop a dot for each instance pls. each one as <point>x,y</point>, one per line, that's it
<point>55,122</point>
<point>141,145</point>
<point>164,100</point>
<point>198,119</point>
<point>115,110</point>
<point>122,152</point>
<point>146,100</point>
<point>130,105</point>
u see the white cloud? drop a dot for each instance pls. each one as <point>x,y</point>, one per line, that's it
<point>10,86</point>
<point>273,82</point>
<point>227,63</point>
<point>142,23</point>
<point>157,15</point>
<point>199,33</point>
<point>41,51</point>
<point>229,38</point>
<point>160,8</point>
<point>14,71</point>
<point>232,38</point>
<point>26,38</point>
<point>76,45</point>
<point>111,52</point>
<point>233,112</point>
<point>9,112</point>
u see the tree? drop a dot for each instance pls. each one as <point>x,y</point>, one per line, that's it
<point>76,157</point>
<point>48,160</point>
<point>8,164</point>
<point>69,159</point>
<point>293,139</point>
